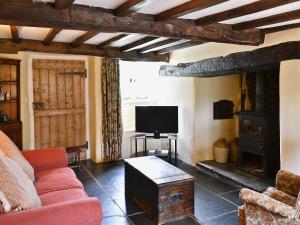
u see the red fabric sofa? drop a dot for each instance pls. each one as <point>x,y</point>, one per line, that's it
<point>64,201</point>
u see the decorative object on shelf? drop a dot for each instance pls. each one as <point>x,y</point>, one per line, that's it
<point>7,96</point>
<point>221,150</point>
<point>2,96</point>
<point>3,117</point>
<point>234,150</point>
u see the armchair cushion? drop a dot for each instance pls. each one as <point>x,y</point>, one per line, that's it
<point>267,203</point>
<point>280,196</point>
<point>288,182</point>
<point>46,159</point>
<point>55,180</point>
<point>9,149</point>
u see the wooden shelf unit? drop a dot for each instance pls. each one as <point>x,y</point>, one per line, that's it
<point>10,82</point>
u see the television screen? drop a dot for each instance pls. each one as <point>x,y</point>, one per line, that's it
<point>156,119</point>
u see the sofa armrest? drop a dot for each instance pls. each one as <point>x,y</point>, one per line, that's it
<point>84,211</point>
<point>288,182</point>
<point>45,159</point>
<point>267,203</point>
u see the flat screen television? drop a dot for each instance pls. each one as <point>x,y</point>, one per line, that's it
<point>156,119</point>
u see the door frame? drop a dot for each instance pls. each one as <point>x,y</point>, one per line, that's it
<point>29,100</point>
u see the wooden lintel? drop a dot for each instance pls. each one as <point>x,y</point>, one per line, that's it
<point>79,17</point>
<point>63,4</point>
<point>51,35</point>
<point>259,59</point>
<point>278,18</point>
<point>15,33</point>
<point>83,38</point>
<point>241,11</point>
<point>180,46</point>
<point>6,46</point>
<point>185,8</point>
<point>111,40</point>
<point>137,43</point>
<point>128,7</point>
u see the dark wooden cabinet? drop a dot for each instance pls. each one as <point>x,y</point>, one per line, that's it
<point>10,122</point>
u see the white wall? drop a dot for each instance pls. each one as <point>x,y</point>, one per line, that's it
<point>290,115</point>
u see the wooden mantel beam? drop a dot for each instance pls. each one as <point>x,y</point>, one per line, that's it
<point>6,46</point>
<point>99,20</point>
<point>259,59</point>
<point>63,4</point>
<point>15,33</point>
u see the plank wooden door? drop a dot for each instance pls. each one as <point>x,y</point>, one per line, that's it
<point>59,103</point>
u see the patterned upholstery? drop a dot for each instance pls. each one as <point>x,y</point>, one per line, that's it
<point>17,190</point>
<point>280,206</point>
<point>9,149</point>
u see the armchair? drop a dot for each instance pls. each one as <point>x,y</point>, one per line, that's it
<point>276,206</point>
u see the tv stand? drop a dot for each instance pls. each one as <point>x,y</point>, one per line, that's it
<point>159,152</point>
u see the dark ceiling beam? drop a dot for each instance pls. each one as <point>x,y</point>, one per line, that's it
<point>63,4</point>
<point>14,33</point>
<point>283,17</point>
<point>109,41</point>
<point>128,7</point>
<point>51,35</point>
<point>83,38</point>
<point>137,43</point>
<point>186,8</point>
<point>281,28</point>
<point>6,46</point>
<point>236,63</point>
<point>179,46</point>
<point>96,19</point>
<point>241,11</point>
<point>158,44</point>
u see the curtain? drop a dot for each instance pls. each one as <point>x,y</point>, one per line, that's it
<point>112,129</point>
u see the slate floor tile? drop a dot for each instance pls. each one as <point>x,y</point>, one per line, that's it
<point>208,205</point>
<point>228,219</point>
<point>116,220</point>
<point>127,206</point>
<point>234,197</point>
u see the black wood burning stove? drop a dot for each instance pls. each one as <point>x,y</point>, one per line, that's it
<point>259,131</point>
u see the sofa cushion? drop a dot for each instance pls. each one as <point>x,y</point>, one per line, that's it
<point>55,180</point>
<point>67,195</point>
<point>9,149</point>
<point>17,190</point>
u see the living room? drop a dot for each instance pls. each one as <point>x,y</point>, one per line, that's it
<point>76,76</point>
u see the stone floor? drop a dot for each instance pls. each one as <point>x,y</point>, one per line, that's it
<point>216,201</point>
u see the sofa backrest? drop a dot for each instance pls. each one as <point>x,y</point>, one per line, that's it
<point>288,182</point>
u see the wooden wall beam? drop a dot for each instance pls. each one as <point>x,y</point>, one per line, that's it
<point>179,46</point>
<point>235,63</point>
<point>14,33</point>
<point>188,7</point>
<point>96,19</point>
<point>51,35</point>
<point>241,11</point>
<point>128,7</point>
<point>137,43</point>
<point>63,4</point>
<point>282,17</point>
<point>6,46</point>
<point>109,41</point>
<point>158,44</point>
<point>83,38</point>
<point>281,28</point>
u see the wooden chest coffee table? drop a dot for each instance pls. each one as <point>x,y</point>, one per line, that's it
<point>163,191</point>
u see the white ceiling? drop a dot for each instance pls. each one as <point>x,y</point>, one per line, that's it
<point>150,7</point>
